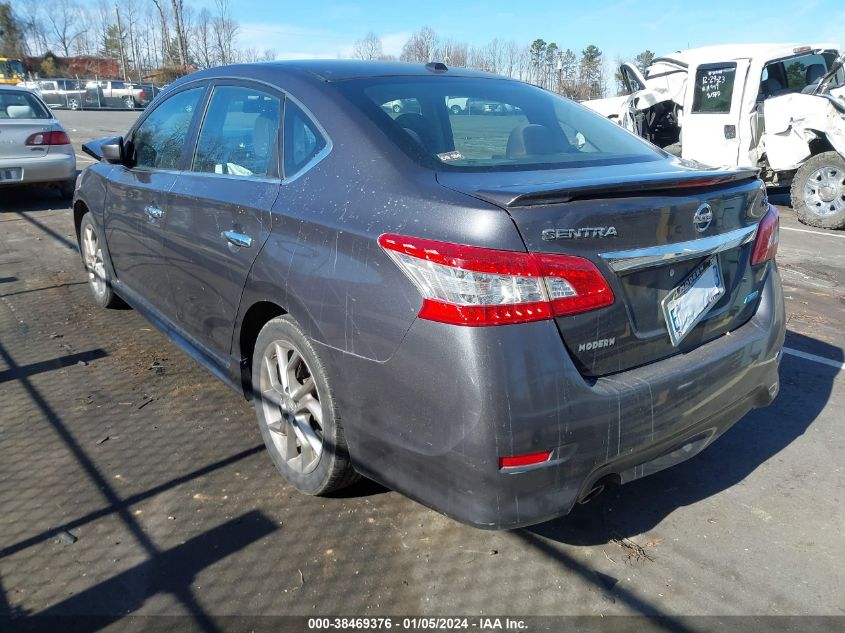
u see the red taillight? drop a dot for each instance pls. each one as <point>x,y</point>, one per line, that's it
<point>467,285</point>
<point>53,137</point>
<point>524,460</point>
<point>142,95</point>
<point>768,234</point>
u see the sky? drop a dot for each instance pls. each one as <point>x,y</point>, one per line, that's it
<point>623,28</point>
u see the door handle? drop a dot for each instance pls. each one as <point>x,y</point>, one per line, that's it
<point>237,239</point>
<point>154,213</point>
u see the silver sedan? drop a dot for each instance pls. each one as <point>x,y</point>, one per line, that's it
<point>34,147</point>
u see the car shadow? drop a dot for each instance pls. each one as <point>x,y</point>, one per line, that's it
<point>640,505</point>
<point>33,198</point>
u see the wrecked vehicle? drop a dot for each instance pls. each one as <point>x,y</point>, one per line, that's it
<point>777,107</point>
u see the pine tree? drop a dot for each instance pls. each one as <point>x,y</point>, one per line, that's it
<point>11,33</point>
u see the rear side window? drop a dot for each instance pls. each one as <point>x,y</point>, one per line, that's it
<point>239,134</point>
<point>21,105</point>
<point>158,142</point>
<point>714,88</point>
<point>481,124</point>
<point>303,141</point>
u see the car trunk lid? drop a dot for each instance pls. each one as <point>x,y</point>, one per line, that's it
<point>637,224</point>
<point>15,132</point>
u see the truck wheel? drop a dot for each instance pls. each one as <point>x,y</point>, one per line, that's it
<point>73,104</point>
<point>455,109</point>
<point>818,191</point>
<point>297,415</point>
<point>129,102</point>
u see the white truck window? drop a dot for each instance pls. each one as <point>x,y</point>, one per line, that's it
<point>714,87</point>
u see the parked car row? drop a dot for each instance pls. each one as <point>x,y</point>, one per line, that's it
<point>76,94</point>
<point>456,106</point>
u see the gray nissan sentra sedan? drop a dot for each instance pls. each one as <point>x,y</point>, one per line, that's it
<point>462,286</point>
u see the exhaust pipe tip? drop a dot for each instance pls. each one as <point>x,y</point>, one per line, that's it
<point>599,486</point>
<point>594,492</point>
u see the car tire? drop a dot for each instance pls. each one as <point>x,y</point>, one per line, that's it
<point>297,414</point>
<point>397,108</point>
<point>455,109</point>
<point>818,191</point>
<point>99,281</point>
<point>129,102</point>
<point>73,104</point>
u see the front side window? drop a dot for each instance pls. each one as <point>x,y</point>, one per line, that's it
<point>239,133</point>
<point>475,124</point>
<point>303,140</point>
<point>158,142</point>
<point>714,88</point>
<point>21,105</point>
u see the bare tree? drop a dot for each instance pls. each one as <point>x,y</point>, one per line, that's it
<point>225,30</point>
<point>165,32</point>
<point>66,24</point>
<point>420,46</point>
<point>30,13</point>
<point>179,25</point>
<point>453,53</point>
<point>368,47</point>
<point>203,39</point>
<point>510,58</point>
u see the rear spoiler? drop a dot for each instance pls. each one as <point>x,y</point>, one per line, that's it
<point>666,183</point>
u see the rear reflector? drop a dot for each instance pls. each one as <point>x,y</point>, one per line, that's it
<point>467,285</point>
<point>524,460</point>
<point>54,137</point>
<point>768,234</point>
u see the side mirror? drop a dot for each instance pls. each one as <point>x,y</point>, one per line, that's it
<point>113,152</point>
<point>109,149</point>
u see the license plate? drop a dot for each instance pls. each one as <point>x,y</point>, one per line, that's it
<point>687,303</point>
<point>10,173</point>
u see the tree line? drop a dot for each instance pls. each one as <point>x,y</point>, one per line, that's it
<point>576,75</point>
<point>144,35</point>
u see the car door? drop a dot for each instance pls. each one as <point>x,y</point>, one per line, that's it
<point>219,213</point>
<point>712,109</point>
<point>137,194</point>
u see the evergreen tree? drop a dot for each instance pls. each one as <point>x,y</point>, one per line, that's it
<point>591,73</point>
<point>11,33</point>
<point>644,60</point>
<point>110,46</point>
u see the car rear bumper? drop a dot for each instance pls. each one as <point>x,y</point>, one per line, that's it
<point>433,421</point>
<point>53,167</point>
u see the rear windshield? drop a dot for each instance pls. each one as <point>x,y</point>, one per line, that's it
<point>21,105</point>
<point>476,124</point>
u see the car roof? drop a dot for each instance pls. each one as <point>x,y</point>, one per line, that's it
<point>340,69</point>
<point>723,52</point>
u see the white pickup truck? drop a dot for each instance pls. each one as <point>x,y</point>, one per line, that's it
<point>777,107</point>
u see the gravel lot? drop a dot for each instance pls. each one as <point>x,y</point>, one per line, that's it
<point>132,481</point>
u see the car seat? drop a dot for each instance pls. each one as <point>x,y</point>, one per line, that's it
<point>532,139</point>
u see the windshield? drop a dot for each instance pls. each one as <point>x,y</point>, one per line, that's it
<point>476,124</point>
<point>12,67</point>
<point>16,104</point>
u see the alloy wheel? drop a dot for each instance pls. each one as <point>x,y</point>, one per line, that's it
<point>824,191</point>
<point>93,257</point>
<point>291,403</point>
